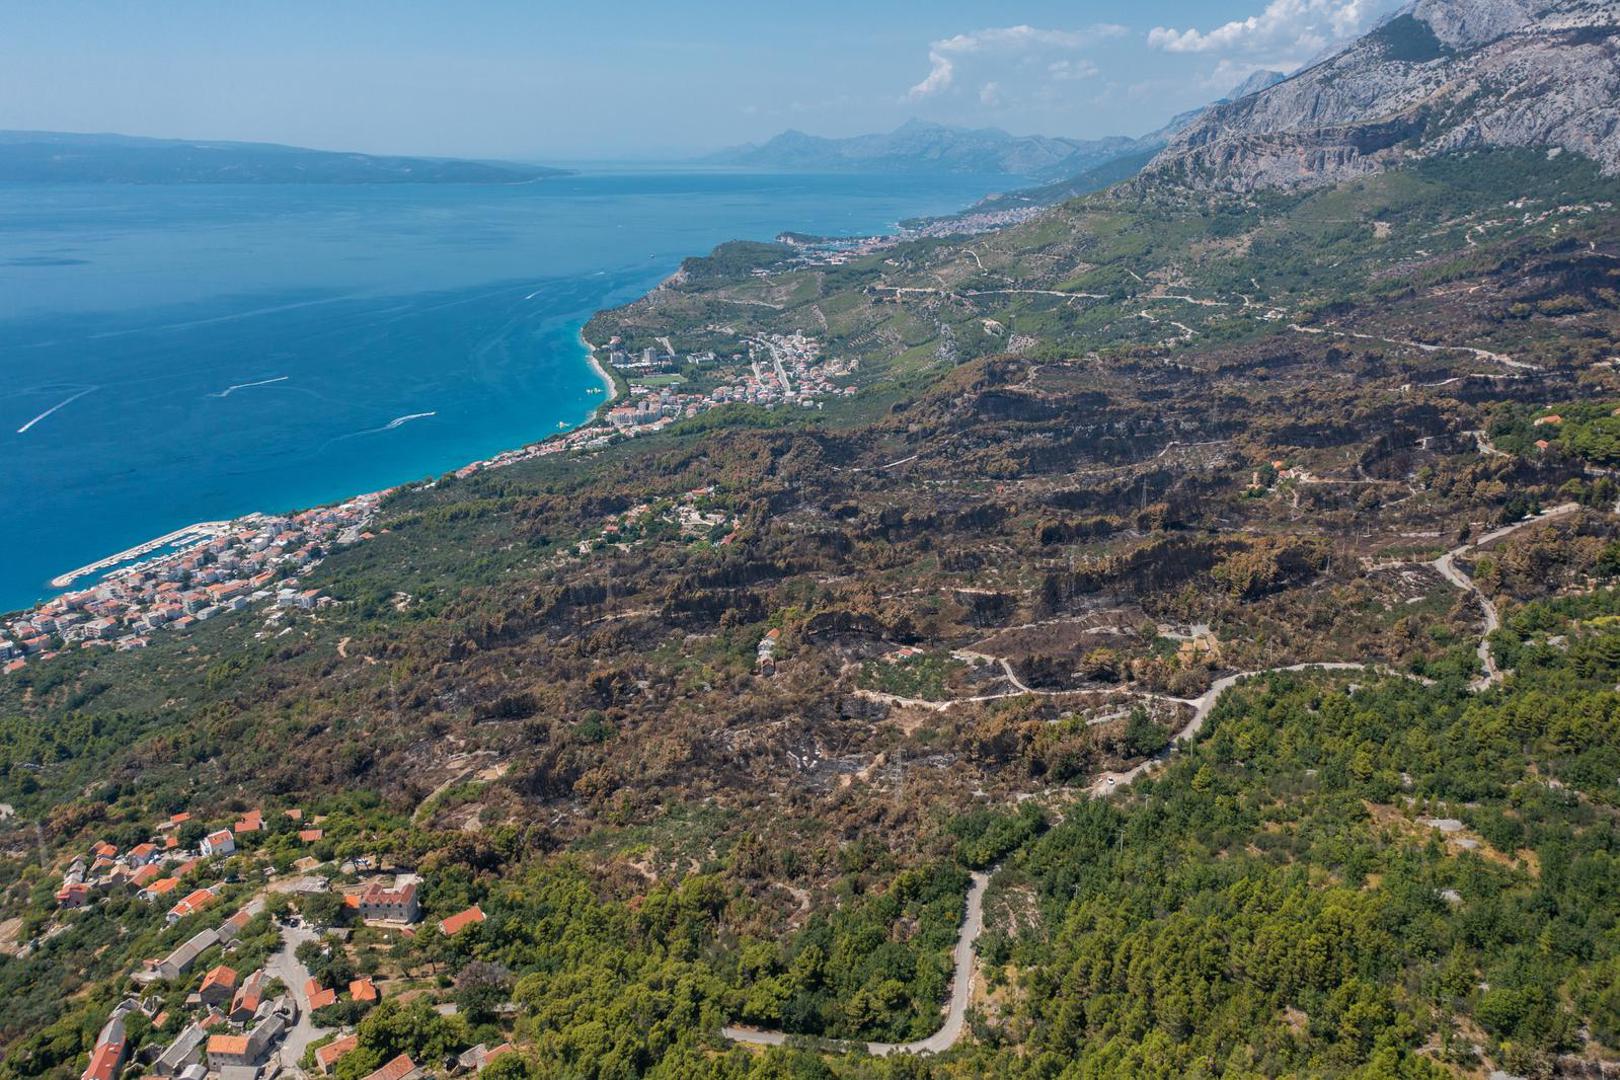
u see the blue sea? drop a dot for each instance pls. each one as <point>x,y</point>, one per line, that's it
<point>176,354</point>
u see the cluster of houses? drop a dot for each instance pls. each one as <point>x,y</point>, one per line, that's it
<point>156,867</point>
<point>238,1019</point>
<point>236,1030</point>
<point>236,1026</point>
<point>239,1027</point>
<point>778,369</point>
<point>982,221</point>
<point>690,514</point>
<point>801,379</point>
<point>255,559</point>
<point>839,251</point>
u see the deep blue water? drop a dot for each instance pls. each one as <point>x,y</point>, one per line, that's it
<point>134,311</point>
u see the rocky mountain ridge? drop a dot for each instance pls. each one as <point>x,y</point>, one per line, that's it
<point>1441,76</point>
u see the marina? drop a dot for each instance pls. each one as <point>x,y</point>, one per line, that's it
<point>178,540</point>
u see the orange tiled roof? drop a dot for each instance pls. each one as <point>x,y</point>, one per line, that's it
<point>220,976</point>
<point>327,1055</point>
<point>104,1062</point>
<point>227,1044</point>
<point>193,903</point>
<point>249,995</point>
<point>397,1069</point>
<point>454,923</point>
<point>363,989</point>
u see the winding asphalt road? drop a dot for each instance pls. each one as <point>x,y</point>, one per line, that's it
<point>1109,782</point>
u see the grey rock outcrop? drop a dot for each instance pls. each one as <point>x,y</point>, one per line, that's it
<point>1443,75</point>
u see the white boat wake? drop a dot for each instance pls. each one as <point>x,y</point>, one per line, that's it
<point>59,405</point>
<point>229,390</point>
<point>397,421</point>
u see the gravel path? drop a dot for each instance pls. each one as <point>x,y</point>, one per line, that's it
<point>1446,566</point>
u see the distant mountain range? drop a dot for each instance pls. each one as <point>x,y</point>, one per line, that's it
<point>34,156</point>
<point>920,146</point>
<point>1440,76</point>
<point>1063,166</point>
<point>1110,170</point>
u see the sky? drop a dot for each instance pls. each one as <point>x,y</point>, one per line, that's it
<point>634,79</point>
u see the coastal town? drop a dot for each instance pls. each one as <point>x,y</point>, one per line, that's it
<point>206,571</point>
<point>813,251</point>
<point>276,987</point>
<point>772,370</point>
<point>254,560</point>
<point>775,370</point>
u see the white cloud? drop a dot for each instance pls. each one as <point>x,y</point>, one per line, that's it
<point>1230,74</point>
<point>941,74</point>
<point>1295,26</point>
<point>1000,43</point>
<point>990,94</point>
<point>1071,70</point>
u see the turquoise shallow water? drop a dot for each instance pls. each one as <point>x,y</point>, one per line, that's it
<point>179,354</point>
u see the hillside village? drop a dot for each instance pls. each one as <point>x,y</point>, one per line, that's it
<point>235,998</point>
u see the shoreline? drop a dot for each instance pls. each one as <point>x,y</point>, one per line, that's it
<point>610,385</point>
<point>104,568</point>
<point>614,389</point>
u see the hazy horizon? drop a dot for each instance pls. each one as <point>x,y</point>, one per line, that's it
<point>640,82</point>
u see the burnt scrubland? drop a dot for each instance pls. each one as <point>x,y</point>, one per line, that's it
<point>1097,461</point>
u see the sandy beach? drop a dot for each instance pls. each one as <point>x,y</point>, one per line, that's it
<point>611,388</point>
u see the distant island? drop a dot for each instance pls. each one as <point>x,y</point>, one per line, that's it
<point>920,146</point>
<point>65,157</point>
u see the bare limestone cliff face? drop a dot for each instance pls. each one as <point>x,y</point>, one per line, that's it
<point>1444,75</point>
